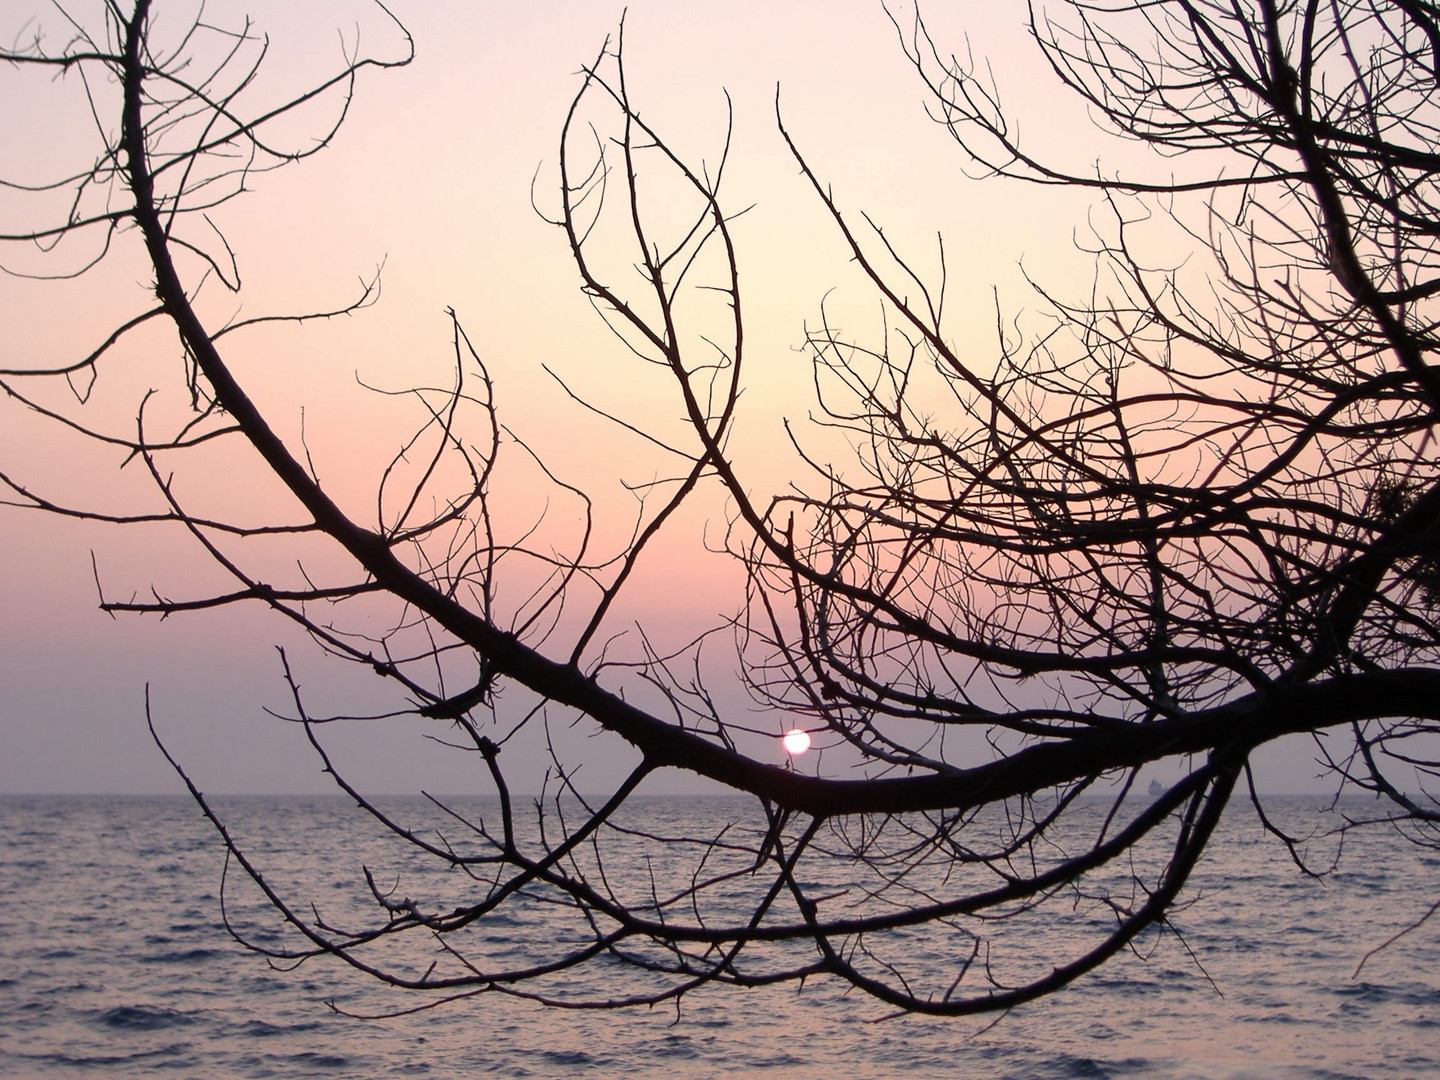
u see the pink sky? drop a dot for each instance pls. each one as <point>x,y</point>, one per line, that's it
<point>432,176</point>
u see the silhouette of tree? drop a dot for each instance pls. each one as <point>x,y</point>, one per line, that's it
<point>1200,511</point>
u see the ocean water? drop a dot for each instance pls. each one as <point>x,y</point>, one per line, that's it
<point>114,962</point>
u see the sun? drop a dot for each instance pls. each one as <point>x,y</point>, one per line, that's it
<point>796,741</point>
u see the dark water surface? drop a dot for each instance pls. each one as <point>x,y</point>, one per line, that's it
<point>114,963</point>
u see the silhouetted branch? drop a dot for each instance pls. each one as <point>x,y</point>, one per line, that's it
<point>1195,513</point>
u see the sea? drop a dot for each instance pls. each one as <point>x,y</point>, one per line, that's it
<point>115,962</point>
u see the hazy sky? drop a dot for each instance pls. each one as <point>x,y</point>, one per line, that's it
<point>433,177</point>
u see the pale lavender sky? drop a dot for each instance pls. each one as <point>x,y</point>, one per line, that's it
<point>432,176</point>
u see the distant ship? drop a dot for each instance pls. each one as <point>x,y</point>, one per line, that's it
<point>1156,788</point>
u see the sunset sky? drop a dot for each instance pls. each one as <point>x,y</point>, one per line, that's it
<point>433,176</point>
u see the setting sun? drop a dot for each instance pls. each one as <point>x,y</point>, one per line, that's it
<point>796,741</point>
